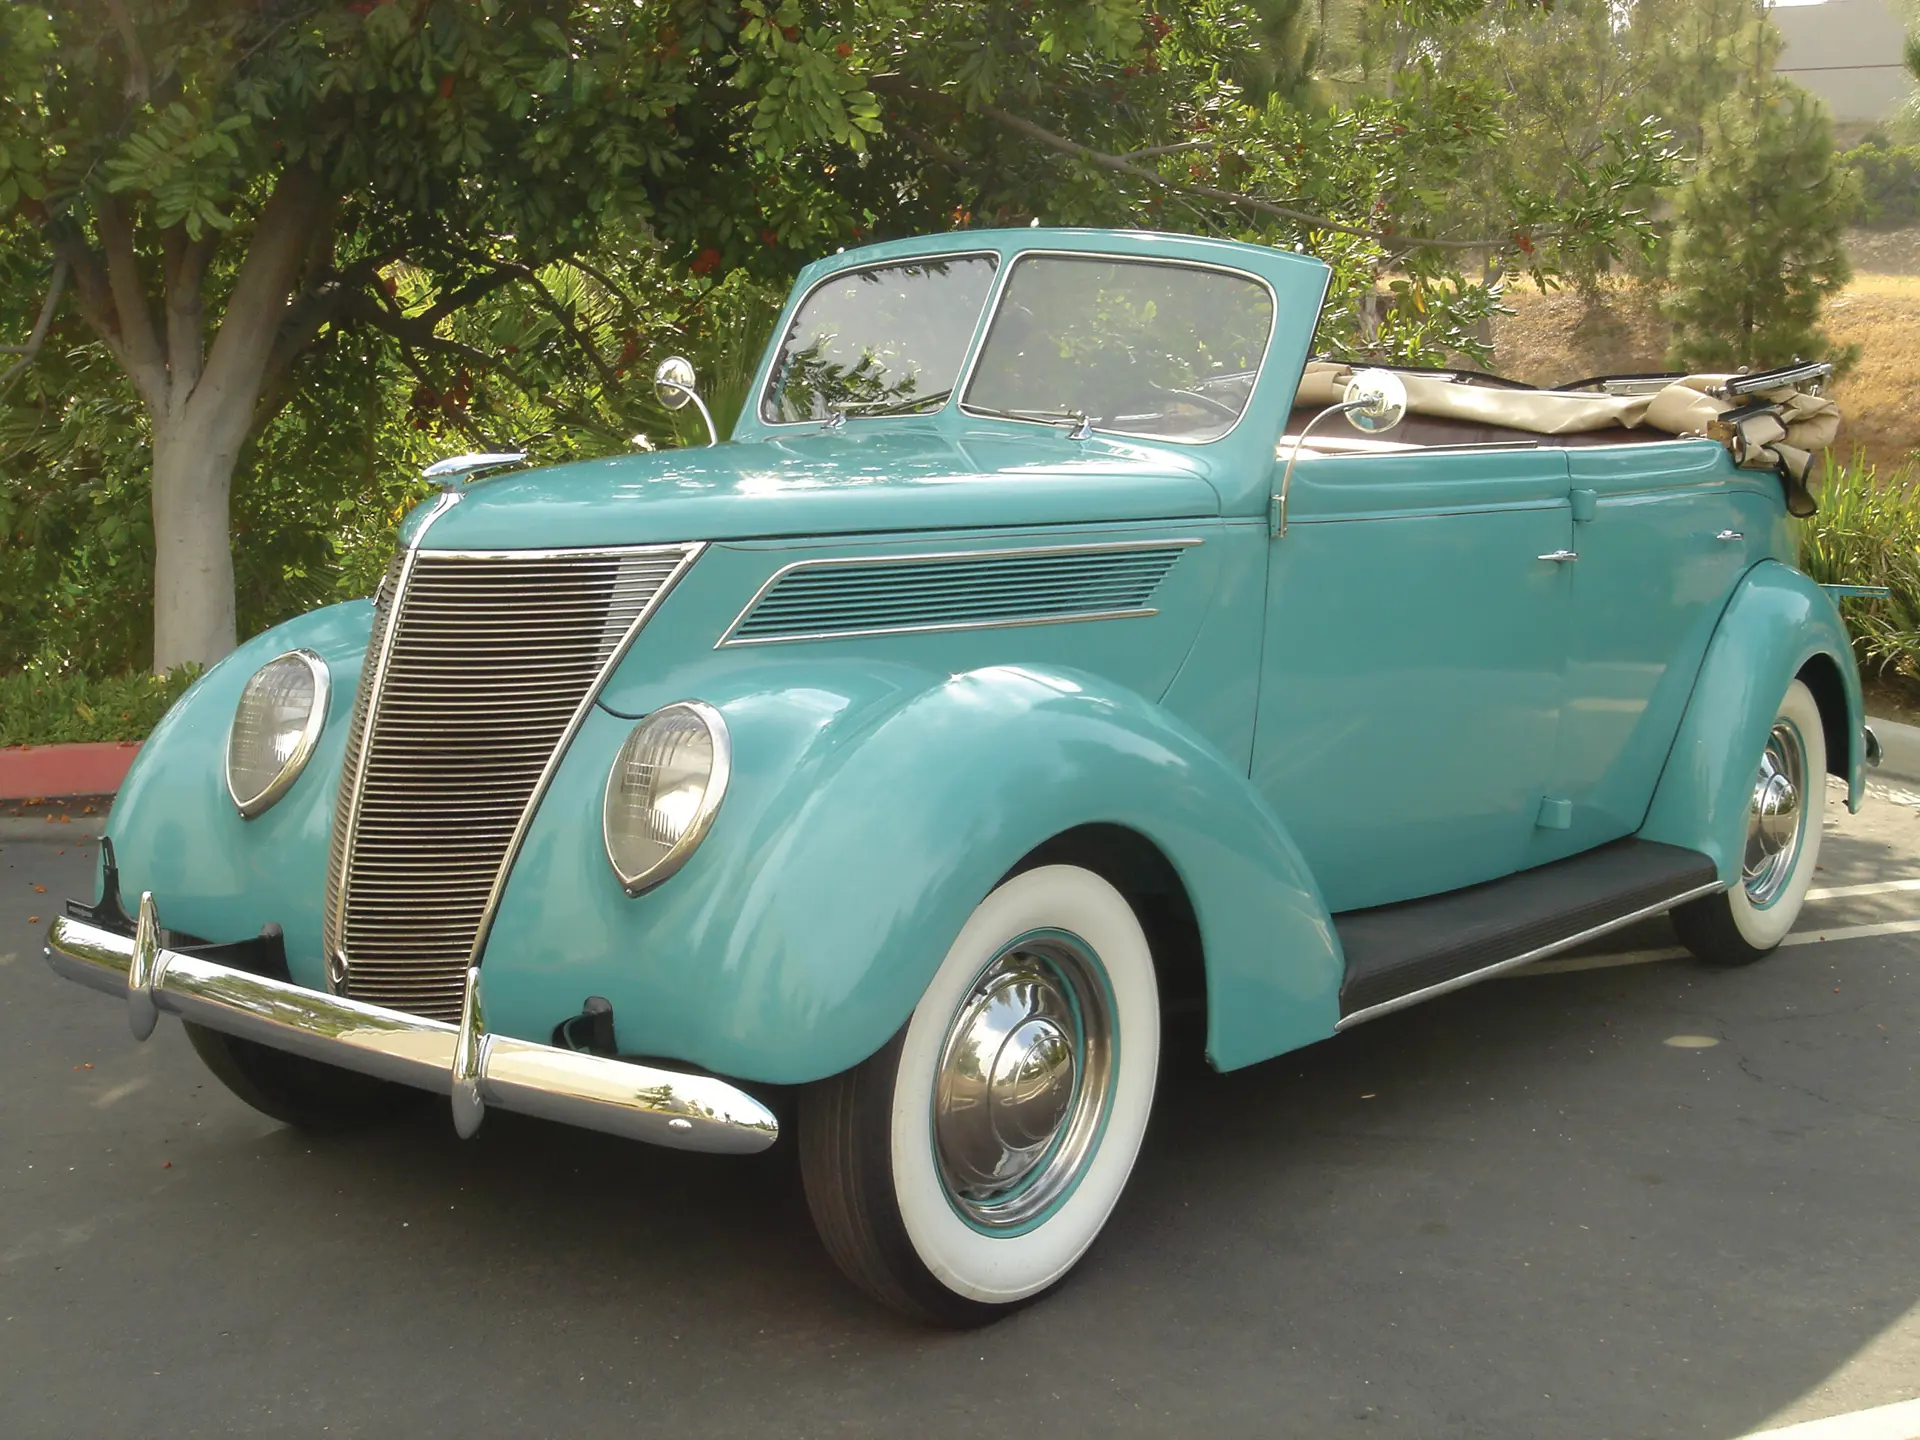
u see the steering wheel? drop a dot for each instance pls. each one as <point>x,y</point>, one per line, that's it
<point>1206,402</point>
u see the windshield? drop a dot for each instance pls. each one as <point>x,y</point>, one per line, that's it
<point>1152,349</point>
<point>882,341</point>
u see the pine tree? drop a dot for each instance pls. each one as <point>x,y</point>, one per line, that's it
<point>1758,229</point>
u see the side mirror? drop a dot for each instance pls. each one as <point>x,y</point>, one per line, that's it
<point>673,382</point>
<point>1375,401</point>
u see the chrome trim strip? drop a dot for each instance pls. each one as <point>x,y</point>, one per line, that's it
<point>999,296</point>
<point>302,750</point>
<point>668,865</point>
<point>763,377</point>
<point>639,1102</point>
<point>1021,553</point>
<point>688,554</point>
<point>377,679</point>
<point>1460,982</point>
<point>945,625</point>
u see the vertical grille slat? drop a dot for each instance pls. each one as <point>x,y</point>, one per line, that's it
<point>491,659</point>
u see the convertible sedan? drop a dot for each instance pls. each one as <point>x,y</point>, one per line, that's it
<point>1051,644</point>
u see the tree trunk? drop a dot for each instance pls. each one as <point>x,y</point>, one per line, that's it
<point>193,609</point>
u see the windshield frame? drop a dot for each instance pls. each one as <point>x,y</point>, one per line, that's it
<point>1012,262</point>
<point>763,390</point>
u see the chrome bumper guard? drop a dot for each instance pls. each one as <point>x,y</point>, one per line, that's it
<point>475,1069</point>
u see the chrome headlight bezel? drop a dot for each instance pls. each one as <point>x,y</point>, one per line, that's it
<point>718,774</point>
<point>303,747</point>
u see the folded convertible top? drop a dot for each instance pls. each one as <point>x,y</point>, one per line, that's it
<point>1780,428</point>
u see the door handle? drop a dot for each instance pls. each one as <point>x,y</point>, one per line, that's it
<point>1560,557</point>
<point>1730,535</point>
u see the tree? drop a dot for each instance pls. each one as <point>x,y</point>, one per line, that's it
<point>1759,228</point>
<point>227,184</point>
<point>260,206</point>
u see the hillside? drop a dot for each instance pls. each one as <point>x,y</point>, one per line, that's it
<point>1551,339</point>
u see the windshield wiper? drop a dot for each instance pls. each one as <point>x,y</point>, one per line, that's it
<point>900,406</point>
<point>1081,421</point>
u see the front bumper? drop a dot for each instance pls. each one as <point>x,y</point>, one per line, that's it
<point>475,1069</point>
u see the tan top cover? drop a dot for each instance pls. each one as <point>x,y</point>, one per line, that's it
<point>1806,424</point>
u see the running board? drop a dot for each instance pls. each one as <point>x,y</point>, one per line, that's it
<point>1399,955</point>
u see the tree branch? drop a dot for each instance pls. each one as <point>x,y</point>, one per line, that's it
<point>896,86</point>
<point>295,217</point>
<point>185,270</point>
<point>41,325</point>
<point>143,357</point>
<point>547,301</point>
<point>139,78</point>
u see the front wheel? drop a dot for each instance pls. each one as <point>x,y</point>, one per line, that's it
<point>1784,815</point>
<point>965,1168</point>
<point>298,1091</point>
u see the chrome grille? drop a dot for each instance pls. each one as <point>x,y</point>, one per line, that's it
<point>492,660</point>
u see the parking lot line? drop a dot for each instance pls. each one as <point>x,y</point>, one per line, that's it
<point>1879,887</point>
<point>1900,1421</point>
<point>1676,952</point>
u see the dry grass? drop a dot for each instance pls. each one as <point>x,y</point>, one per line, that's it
<point>1552,339</point>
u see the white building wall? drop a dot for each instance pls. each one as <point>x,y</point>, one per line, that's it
<point>1848,52</point>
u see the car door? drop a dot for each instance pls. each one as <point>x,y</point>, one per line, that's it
<point>1411,669</point>
<point>1663,530</point>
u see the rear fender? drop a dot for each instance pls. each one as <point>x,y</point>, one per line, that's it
<point>870,810</point>
<point>1777,626</point>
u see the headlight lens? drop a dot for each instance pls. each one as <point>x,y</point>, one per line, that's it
<point>666,784</point>
<point>275,727</point>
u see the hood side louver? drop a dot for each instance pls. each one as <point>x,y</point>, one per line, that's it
<point>891,595</point>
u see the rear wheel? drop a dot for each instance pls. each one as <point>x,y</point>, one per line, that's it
<point>963,1170</point>
<point>1784,816</point>
<point>303,1093</point>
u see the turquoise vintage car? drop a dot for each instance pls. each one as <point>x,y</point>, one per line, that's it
<point>1040,653</point>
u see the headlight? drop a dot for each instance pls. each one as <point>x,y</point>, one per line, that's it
<point>275,727</point>
<point>666,784</point>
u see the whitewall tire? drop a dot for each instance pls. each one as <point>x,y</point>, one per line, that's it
<point>967,1167</point>
<point>1785,812</point>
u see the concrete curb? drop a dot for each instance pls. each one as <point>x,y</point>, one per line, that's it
<point>38,771</point>
<point>1899,751</point>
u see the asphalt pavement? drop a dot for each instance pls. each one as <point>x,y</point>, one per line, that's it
<point>1623,1196</point>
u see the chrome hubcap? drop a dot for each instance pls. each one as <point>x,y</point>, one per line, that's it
<point>1024,1079</point>
<point>1773,816</point>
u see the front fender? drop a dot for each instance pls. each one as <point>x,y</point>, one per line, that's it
<point>871,808</point>
<point>175,830</point>
<point>1776,622</point>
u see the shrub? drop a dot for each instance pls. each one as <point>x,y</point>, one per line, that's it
<point>40,708</point>
<point>1889,181</point>
<point>1867,532</point>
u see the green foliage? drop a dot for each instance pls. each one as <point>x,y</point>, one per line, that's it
<point>1888,179</point>
<point>1759,229</point>
<point>41,707</point>
<point>1867,532</point>
<point>518,208</point>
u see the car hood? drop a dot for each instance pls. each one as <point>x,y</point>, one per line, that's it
<point>866,477</point>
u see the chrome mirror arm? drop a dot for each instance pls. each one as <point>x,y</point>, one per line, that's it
<point>1343,407</point>
<point>1374,401</point>
<point>673,382</point>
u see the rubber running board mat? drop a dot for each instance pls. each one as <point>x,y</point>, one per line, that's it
<point>1394,951</point>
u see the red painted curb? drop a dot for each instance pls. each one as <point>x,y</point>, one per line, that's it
<point>31,772</point>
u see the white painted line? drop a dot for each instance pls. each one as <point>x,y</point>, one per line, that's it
<point>1600,962</point>
<point>1853,932</point>
<point>1900,1421</point>
<point>1881,887</point>
<point>1649,957</point>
